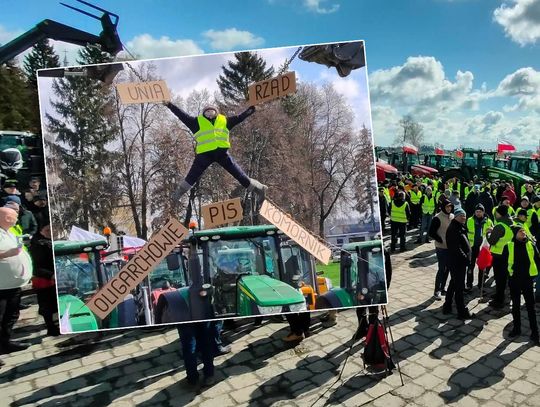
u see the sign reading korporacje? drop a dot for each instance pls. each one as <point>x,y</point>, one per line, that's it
<point>271,89</point>
<point>222,213</point>
<point>113,293</point>
<point>296,232</point>
<point>143,92</point>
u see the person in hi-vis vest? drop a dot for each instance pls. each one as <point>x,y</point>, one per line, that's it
<point>523,263</point>
<point>399,216</point>
<point>211,132</point>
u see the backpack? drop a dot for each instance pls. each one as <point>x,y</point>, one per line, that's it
<point>377,350</point>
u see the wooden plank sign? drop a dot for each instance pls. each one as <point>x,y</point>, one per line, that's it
<point>113,293</point>
<point>143,92</point>
<point>296,232</point>
<point>221,213</point>
<point>271,89</point>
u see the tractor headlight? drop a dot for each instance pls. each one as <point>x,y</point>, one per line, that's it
<point>301,306</point>
<point>269,310</point>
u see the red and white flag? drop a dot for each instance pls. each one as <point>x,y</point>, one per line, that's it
<point>409,148</point>
<point>439,151</point>
<point>459,154</point>
<point>503,145</point>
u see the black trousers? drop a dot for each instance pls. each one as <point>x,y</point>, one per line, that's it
<point>518,287</point>
<point>500,272</point>
<point>455,288</point>
<point>299,323</point>
<point>415,215</point>
<point>222,157</point>
<point>397,229</point>
<point>9,312</point>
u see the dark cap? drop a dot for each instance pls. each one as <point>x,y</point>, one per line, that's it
<point>535,199</point>
<point>12,198</point>
<point>502,210</point>
<point>522,212</point>
<point>10,183</point>
<point>479,207</point>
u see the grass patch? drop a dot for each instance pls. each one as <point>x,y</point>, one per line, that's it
<point>331,271</point>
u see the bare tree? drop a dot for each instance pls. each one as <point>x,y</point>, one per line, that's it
<point>412,132</point>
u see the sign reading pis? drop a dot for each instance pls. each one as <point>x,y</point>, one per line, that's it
<point>296,232</point>
<point>143,92</point>
<point>114,292</point>
<point>221,213</point>
<point>271,89</point>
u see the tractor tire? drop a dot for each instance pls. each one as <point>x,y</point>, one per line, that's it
<point>171,307</point>
<point>127,312</point>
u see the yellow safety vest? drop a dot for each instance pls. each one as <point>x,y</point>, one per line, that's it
<point>211,136</point>
<point>523,190</point>
<point>17,231</point>
<point>498,247</point>
<point>428,206</point>
<point>415,196</point>
<point>399,214</point>
<point>467,191</point>
<point>533,269</point>
<point>471,228</point>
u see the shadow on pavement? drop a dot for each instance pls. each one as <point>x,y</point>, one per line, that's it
<point>101,382</point>
<point>484,373</point>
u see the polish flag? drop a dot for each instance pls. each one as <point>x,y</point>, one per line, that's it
<point>439,151</point>
<point>409,148</point>
<point>504,145</point>
<point>459,154</point>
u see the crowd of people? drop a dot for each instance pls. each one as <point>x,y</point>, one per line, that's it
<point>466,220</point>
<point>25,254</point>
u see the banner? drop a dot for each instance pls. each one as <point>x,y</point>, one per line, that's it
<point>143,92</point>
<point>222,213</point>
<point>113,293</point>
<point>271,89</point>
<point>296,232</point>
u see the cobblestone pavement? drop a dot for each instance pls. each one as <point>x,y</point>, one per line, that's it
<point>443,360</point>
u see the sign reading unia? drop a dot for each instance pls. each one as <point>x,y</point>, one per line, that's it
<point>296,232</point>
<point>114,292</point>
<point>143,92</point>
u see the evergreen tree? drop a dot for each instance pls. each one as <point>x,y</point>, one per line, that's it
<point>14,108</point>
<point>247,68</point>
<point>82,129</point>
<point>41,56</point>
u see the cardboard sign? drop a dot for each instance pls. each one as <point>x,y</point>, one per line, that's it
<point>143,92</point>
<point>221,213</point>
<point>114,292</point>
<point>271,89</point>
<point>296,232</point>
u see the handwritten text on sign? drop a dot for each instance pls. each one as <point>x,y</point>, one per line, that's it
<point>296,232</point>
<point>221,213</point>
<point>143,92</point>
<point>114,292</point>
<point>273,88</point>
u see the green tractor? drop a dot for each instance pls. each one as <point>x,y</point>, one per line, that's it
<point>485,165</point>
<point>242,271</point>
<point>441,162</point>
<point>362,277</point>
<point>525,165</point>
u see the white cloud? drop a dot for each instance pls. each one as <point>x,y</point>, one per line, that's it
<point>317,7</point>
<point>231,38</point>
<point>146,46</point>
<point>523,84</point>
<point>520,20</point>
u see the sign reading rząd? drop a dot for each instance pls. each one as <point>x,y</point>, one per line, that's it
<point>143,92</point>
<point>221,213</point>
<point>296,232</point>
<point>113,293</point>
<point>271,89</point>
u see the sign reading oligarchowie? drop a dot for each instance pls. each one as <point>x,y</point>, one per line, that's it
<point>296,232</point>
<point>113,293</point>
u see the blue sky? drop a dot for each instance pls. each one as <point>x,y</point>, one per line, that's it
<point>468,70</point>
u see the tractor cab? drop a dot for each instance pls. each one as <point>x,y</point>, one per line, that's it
<point>240,270</point>
<point>525,165</point>
<point>362,277</point>
<point>441,162</point>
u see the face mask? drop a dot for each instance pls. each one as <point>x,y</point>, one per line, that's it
<point>210,114</point>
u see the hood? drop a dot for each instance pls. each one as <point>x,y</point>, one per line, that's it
<point>386,167</point>
<point>423,170</point>
<point>267,291</point>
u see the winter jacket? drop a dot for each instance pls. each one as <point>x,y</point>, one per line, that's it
<point>437,228</point>
<point>459,249</point>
